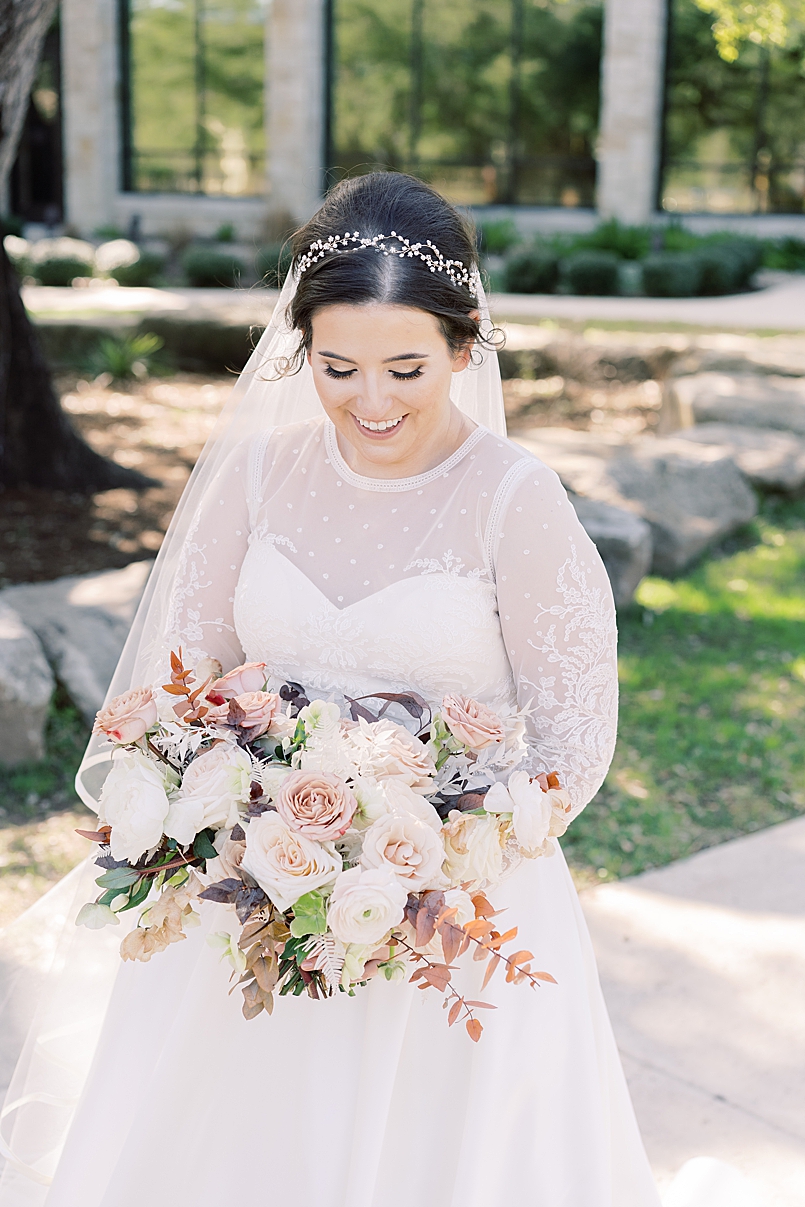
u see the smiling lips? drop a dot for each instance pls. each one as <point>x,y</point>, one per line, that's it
<point>381,427</point>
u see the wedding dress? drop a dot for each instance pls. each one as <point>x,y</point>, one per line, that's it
<point>144,1082</point>
<point>474,577</point>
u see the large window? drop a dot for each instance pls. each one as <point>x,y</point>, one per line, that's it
<point>735,132</point>
<point>194,114</point>
<point>490,100</point>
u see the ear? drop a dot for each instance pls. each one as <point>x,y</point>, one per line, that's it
<point>462,357</point>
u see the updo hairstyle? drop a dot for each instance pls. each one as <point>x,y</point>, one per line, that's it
<point>377,204</point>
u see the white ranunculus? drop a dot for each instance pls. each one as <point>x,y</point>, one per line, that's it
<point>365,905</point>
<point>285,864</point>
<point>135,804</point>
<point>460,900</point>
<point>406,847</point>
<point>474,848</point>
<point>533,810</point>
<point>402,801</point>
<point>213,786</point>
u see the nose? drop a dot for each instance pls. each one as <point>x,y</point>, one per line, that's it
<point>374,401</point>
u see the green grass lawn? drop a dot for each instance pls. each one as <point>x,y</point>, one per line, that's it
<point>712,669</point>
<point>711,745</point>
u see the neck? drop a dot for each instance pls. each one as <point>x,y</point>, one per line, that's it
<point>426,456</point>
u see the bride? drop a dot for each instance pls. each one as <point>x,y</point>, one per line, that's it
<point>359,523</point>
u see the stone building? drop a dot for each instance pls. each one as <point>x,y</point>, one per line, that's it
<point>280,166</point>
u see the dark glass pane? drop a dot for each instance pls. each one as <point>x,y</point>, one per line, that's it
<point>197,70</point>
<point>734,131</point>
<point>490,100</point>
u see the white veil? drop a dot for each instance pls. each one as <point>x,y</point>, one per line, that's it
<point>61,976</point>
<point>261,398</point>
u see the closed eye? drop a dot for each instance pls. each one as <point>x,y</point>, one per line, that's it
<point>339,376</point>
<point>406,376</point>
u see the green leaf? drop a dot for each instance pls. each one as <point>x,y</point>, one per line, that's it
<point>138,895</point>
<point>118,878</point>
<point>308,924</point>
<point>202,846</point>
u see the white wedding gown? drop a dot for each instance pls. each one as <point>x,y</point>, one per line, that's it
<point>475,577</point>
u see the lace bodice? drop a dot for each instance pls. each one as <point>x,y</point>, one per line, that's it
<point>475,577</point>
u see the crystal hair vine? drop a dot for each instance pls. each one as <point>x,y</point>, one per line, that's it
<point>427,252</point>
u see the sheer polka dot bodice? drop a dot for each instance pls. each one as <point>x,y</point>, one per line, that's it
<point>475,577</point>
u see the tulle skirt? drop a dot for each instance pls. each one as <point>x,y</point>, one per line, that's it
<point>143,1082</point>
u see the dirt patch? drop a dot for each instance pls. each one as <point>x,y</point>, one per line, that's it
<point>158,427</point>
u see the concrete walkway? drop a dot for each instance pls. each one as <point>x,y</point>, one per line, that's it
<point>780,306</point>
<point>703,968</point>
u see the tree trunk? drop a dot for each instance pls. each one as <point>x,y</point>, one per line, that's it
<point>38,445</point>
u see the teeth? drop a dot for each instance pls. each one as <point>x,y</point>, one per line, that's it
<point>383,426</point>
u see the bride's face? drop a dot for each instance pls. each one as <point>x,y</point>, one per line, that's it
<point>383,375</point>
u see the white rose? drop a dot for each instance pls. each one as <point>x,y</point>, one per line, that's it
<point>285,864</point>
<point>406,847</point>
<point>402,801</point>
<point>365,905</point>
<point>474,848</point>
<point>135,804</point>
<point>213,786</point>
<point>533,814</point>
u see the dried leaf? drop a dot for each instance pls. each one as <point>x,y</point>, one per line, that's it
<point>474,1029</point>
<point>490,969</point>
<point>173,689</point>
<point>483,908</point>
<point>479,928</point>
<point>455,1010</point>
<point>101,835</point>
<point>545,976</point>
<point>453,938</point>
<point>357,711</point>
<point>482,1005</point>
<point>505,938</point>
<point>266,973</point>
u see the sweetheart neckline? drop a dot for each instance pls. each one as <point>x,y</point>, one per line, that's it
<point>265,543</point>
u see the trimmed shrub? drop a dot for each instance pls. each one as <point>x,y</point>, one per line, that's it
<point>630,242</point>
<point>534,270</point>
<point>591,273</point>
<point>722,270</point>
<point>146,270</point>
<point>786,254</point>
<point>205,267</point>
<point>672,275</point>
<point>495,238</point>
<point>272,263</point>
<point>60,270</point>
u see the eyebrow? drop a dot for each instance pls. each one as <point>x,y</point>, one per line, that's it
<point>389,359</point>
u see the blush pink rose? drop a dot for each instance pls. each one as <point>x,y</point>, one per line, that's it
<point>127,718</point>
<point>472,722</point>
<point>251,677</point>
<point>316,804</point>
<point>258,708</point>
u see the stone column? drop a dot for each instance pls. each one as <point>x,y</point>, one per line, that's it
<point>91,131</point>
<point>295,103</point>
<point>631,108</point>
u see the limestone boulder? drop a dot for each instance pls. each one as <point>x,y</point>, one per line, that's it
<point>747,399</point>
<point>624,541</point>
<point>82,623</point>
<point>690,494</point>
<point>768,458</point>
<point>26,686</point>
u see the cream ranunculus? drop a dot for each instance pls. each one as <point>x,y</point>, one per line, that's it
<point>134,803</point>
<point>285,864</point>
<point>128,718</point>
<point>382,750</point>
<point>213,786</point>
<point>408,848</point>
<point>365,905</point>
<point>472,722</point>
<point>250,677</point>
<point>315,804</point>
<point>474,848</point>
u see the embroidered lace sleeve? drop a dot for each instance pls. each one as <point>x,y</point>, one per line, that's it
<point>201,615</point>
<point>558,621</point>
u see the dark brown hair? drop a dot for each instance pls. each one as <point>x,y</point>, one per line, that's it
<point>377,204</point>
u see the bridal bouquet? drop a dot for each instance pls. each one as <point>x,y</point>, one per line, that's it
<point>344,848</point>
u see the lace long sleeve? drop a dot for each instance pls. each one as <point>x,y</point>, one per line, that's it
<point>557,616</point>
<point>201,612</point>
